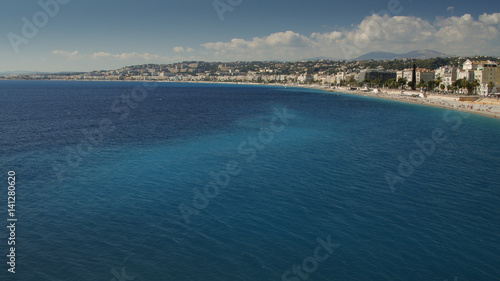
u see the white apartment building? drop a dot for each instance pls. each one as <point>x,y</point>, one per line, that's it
<point>447,74</point>
<point>304,78</point>
<point>484,72</point>
<point>487,74</point>
<point>339,77</point>
<point>422,75</point>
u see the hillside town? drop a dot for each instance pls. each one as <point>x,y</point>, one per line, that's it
<point>455,75</point>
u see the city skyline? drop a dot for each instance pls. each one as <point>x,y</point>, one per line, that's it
<point>71,35</point>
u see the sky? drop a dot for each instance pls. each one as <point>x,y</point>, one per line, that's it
<point>86,35</point>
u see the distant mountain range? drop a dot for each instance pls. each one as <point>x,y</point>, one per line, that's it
<point>317,58</point>
<point>420,54</point>
<point>21,72</point>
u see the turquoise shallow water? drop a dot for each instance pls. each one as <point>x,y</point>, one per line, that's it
<point>111,180</point>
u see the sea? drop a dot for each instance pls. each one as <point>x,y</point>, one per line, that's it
<point>182,181</point>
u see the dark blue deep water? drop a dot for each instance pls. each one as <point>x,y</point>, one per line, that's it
<point>133,181</point>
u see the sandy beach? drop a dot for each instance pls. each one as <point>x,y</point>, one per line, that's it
<point>483,106</point>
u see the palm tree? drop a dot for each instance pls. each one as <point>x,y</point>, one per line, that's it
<point>462,84</point>
<point>392,83</point>
<point>367,82</point>
<point>352,81</point>
<point>475,84</point>
<point>453,88</point>
<point>431,85</point>
<point>491,85</point>
<point>438,80</point>
<point>402,82</point>
<point>471,86</point>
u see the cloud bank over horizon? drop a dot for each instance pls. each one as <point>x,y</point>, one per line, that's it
<point>455,35</point>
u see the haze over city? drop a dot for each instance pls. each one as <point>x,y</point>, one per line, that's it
<point>64,35</point>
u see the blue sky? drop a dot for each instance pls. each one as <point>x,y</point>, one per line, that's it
<point>84,35</point>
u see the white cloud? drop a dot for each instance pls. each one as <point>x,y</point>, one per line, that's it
<point>288,39</point>
<point>126,56</point>
<point>327,37</point>
<point>493,19</point>
<point>450,9</point>
<point>463,34</point>
<point>102,55</point>
<point>453,35</point>
<point>182,49</point>
<point>398,34</point>
<point>70,55</point>
<point>279,45</point>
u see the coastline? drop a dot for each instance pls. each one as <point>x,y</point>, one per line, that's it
<point>488,107</point>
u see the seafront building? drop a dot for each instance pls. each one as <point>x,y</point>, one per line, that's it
<point>374,74</point>
<point>488,77</point>
<point>341,76</point>
<point>447,75</point>
<point>466,74</point>
<point>422,75</point>
<point>304,78</point>
<point>485,73</point>
<point>481,70</point>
